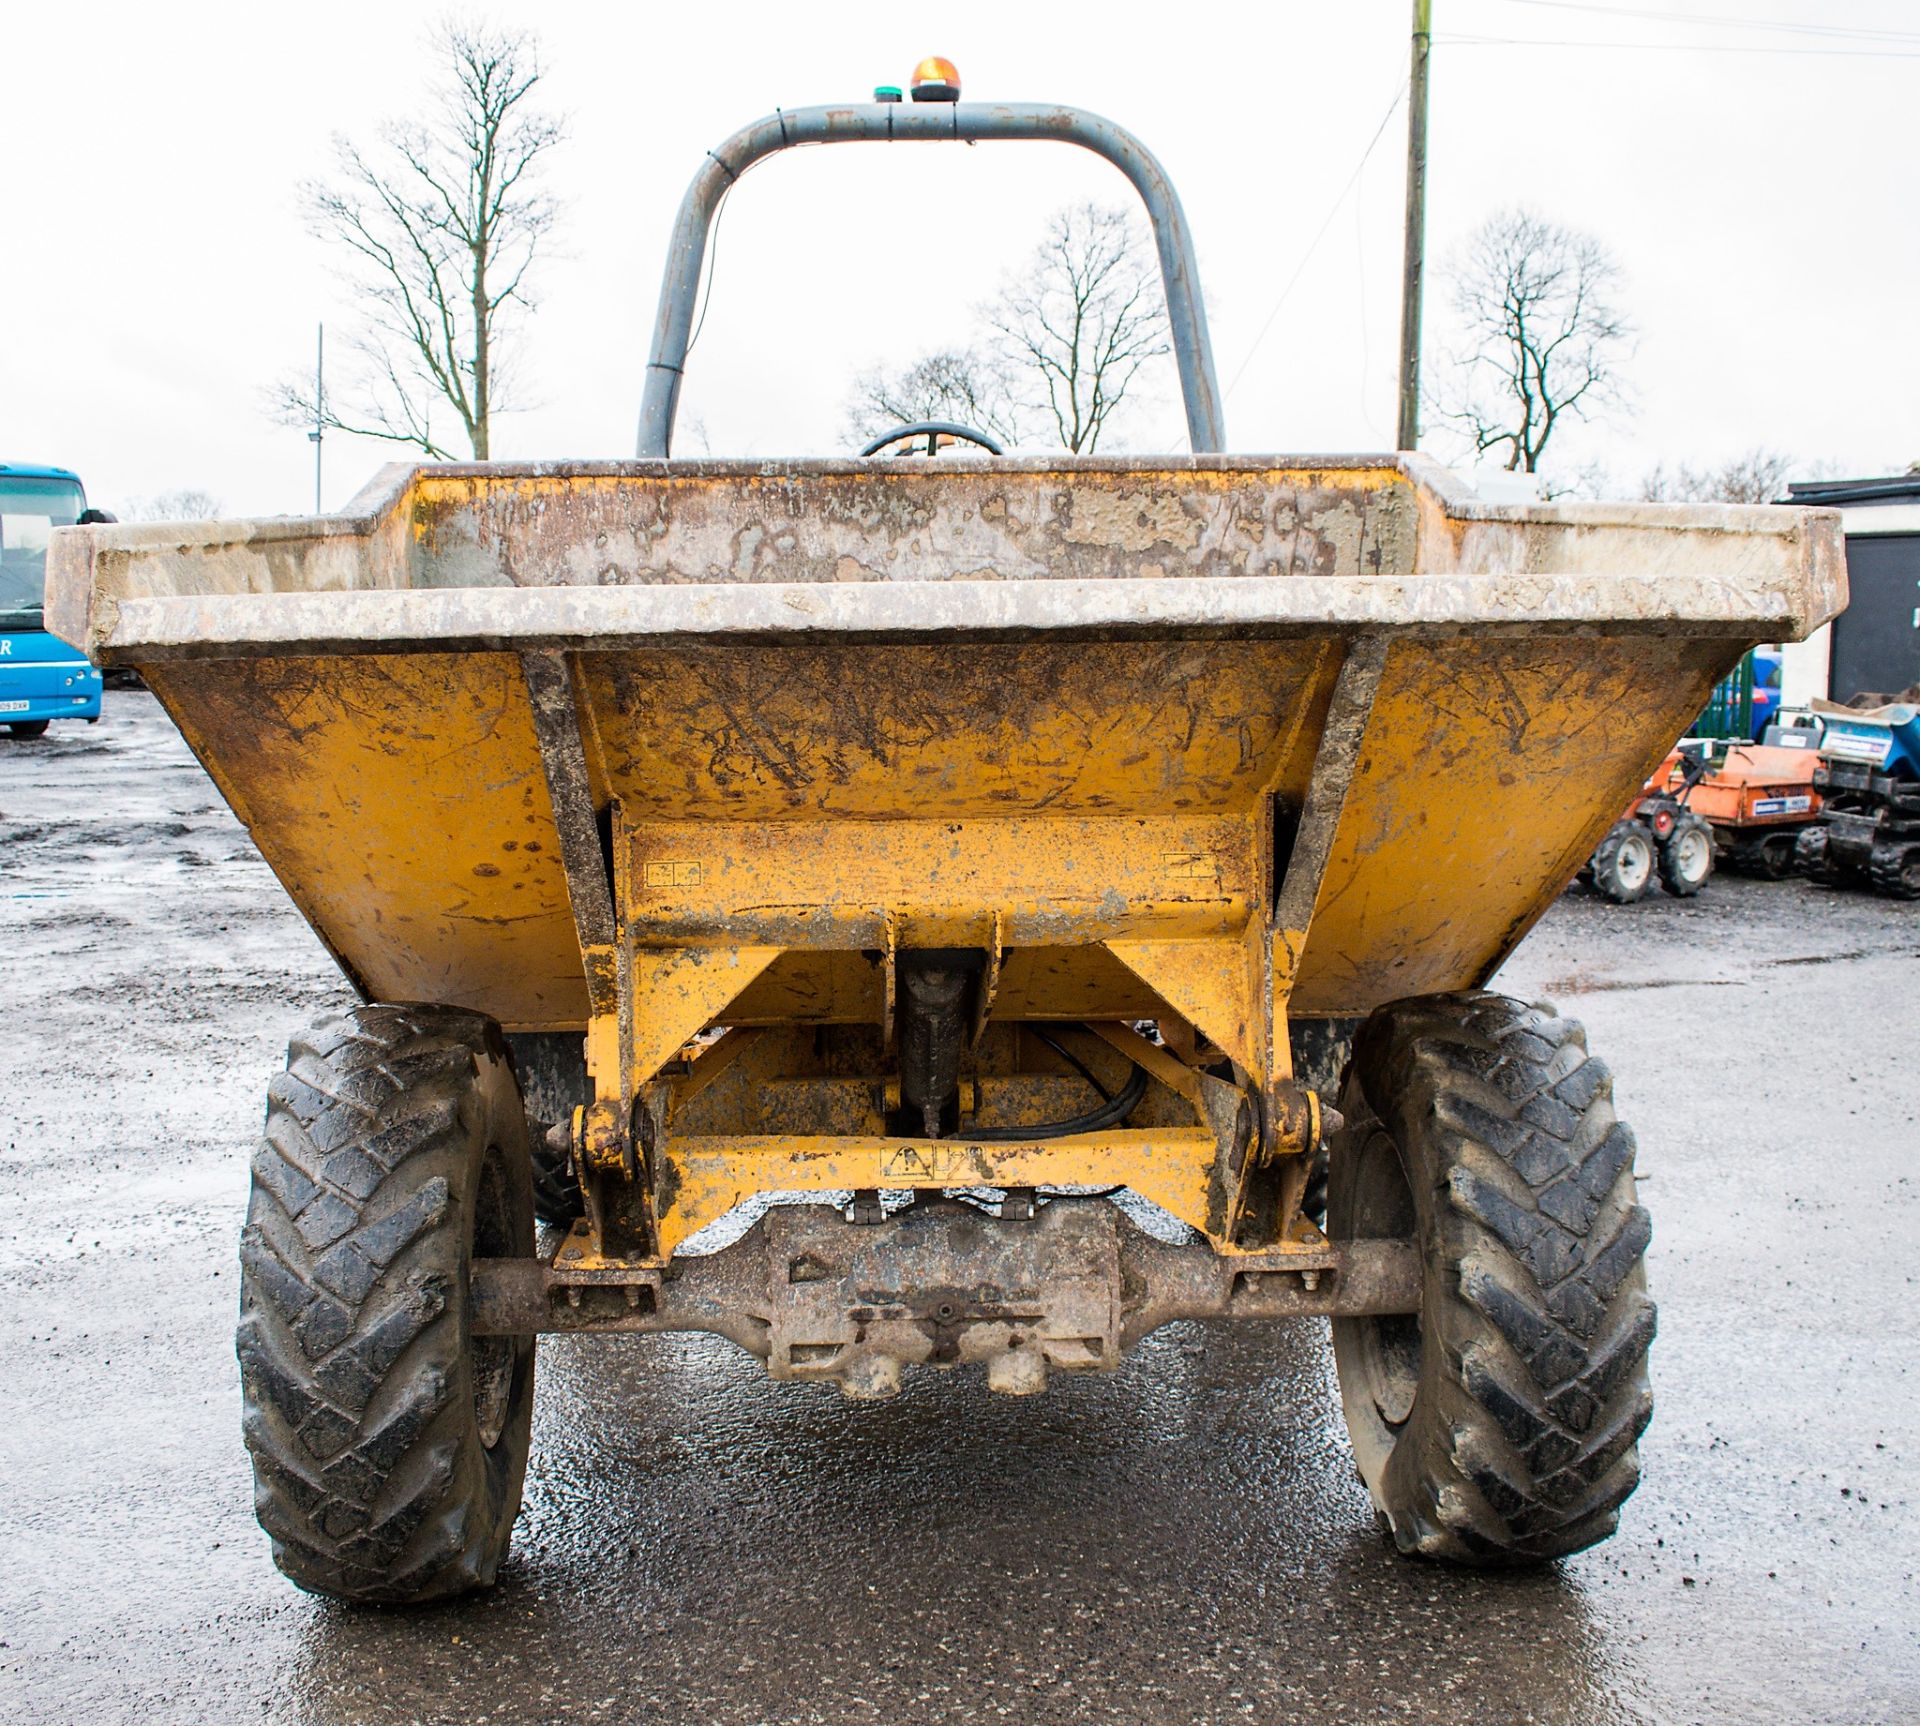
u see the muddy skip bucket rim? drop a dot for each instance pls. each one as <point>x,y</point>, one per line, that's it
<point>158,591</point>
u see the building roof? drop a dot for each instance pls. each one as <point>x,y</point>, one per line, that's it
<point>1905,488</point>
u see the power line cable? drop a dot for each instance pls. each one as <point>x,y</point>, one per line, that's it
<point>1293,281</point>
<point>1360,300</point>
<point>1678,47</point>
<point>711,263</point>
<point>1852,32</point>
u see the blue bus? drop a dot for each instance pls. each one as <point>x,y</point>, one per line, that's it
<point>41,678</point>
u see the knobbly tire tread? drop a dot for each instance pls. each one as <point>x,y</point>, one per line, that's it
<point>1810,852</point>
<point>1532,1393</point>
<point>370,1470</point>
<point>1666,855</point>
<point>1313,1196</point>
<point>1892,873</point>
<point>550,1090</point>
<point>1604,876</point>
<point>1762,856</point>
<point>556,1194</point>
<point>1813,857</point>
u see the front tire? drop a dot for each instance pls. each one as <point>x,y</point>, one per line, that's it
<point>389,1443</point>
<point>26,730</point>
<point>1623,862</point>
<point>1498,1425</point>
<point>1686,855</point>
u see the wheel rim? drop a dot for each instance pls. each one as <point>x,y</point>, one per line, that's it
<point>492,1357</point>
<point>1391,1345</point>
<point>1634,863</point>
<point>1691,854</point>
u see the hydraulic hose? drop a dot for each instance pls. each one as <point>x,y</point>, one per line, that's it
<point>1111,1112</point>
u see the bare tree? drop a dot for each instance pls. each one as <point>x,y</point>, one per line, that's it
<point>185,504</point>
<point>1066,338</point>
<point>1758,476</point>
<point>1544,339</point>
<point>1076,326</point>
<point>1588,480</point>
<point>441,223</point>
<point>961,384</point>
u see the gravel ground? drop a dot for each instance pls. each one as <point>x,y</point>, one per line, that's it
<point>1181,1541</point>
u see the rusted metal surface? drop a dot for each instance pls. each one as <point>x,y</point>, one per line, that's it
<point>821,1112</point>
<point>939,1284</point>
<point>814,1107</point>
<point>935,1014</point>
<point>851,522</point>
<point>1215,744</point>
<point>1486,774</point>
<point>965,122</point>
<point>1312,838</point>
<point>723,550</point>
<point>554,704</point>
<point>1358,1279</point>
<point>974,613</point>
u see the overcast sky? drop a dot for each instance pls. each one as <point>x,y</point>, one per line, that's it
<point>1757,184</point>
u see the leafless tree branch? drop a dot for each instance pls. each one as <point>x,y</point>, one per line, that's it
<point>1543,340</point>
<point>951,384</point>
<point>1066,340</point>
<point>439,227</point>
<point>1757,476</point>
<point>186,504</point>
<point>1078,324</point>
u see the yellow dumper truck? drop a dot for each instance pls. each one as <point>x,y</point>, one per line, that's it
<point>1036,872</point>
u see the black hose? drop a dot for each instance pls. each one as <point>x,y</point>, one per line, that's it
<point>1111,1112</point>
<point>1073,1061</point>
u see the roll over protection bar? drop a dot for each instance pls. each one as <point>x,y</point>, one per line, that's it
<point>931,122</point>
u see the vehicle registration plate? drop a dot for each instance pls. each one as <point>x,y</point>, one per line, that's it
<point>14,706</point>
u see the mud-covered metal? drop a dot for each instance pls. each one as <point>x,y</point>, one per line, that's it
<point>964,122</point>
<point>1065,1289</point>
<point>649,752</point>
<point>611,555</point>
<point>809,1109</point>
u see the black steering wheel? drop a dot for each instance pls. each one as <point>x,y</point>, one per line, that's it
<point>933,431</point>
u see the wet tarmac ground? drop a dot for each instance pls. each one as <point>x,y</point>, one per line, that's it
<point>1182,1541</point>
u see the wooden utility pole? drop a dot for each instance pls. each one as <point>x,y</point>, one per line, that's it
<point>1413,280</point>
<point>319,411</point>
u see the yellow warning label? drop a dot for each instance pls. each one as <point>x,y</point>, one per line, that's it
<point>925,1163</point>
<point>681,874</point>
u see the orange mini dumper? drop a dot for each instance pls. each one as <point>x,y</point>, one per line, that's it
<point>1745,811</point>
